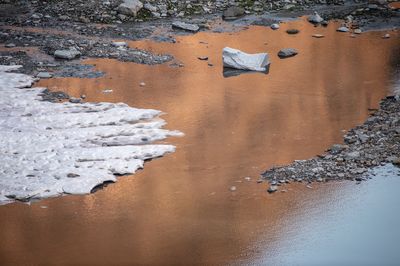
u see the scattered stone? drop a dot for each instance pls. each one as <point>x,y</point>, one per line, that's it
<point>66,54</point>
<point>357,31</point>
<point>237,59</point>
<point>287,52</point>
<point>318,35</point>
<point>130,7</point>
<point>352,155</point>
<point>272,189</point>
<point>247,178</point>
<point>316,18</point>
<point>343,29</point>
<point>10,45</point>
<point>119,44</point>
<point>232,13</point>
<point>185,26</point>
<point>75,100</point>
<point>275,26</point>
<point>203,58</point>
<point>142,84</point>
<point>233,188</point>
<point>386,36</point>
<point>292,31</point>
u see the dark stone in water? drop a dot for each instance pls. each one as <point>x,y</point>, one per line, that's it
<point>292,31</point>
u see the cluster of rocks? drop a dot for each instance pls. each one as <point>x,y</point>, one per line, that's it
<point>72,47</point>
<point>374,143</point>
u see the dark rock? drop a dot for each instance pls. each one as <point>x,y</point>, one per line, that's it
<point>292,31</point>
<point>287,52</point>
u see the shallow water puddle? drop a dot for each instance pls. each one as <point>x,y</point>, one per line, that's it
<point>179,210</point>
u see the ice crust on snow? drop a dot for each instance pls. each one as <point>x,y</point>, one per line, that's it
<point>237,59</point>
<point>48,149</point>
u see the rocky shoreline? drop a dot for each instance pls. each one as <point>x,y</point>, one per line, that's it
<point>61,26</point>
<point>372,144</point>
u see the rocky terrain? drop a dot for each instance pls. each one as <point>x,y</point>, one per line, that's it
<point>71,28</point>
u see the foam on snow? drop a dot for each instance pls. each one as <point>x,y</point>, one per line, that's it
<point>47,149</point>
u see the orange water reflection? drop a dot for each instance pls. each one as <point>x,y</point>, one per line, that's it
<point>179,210</point>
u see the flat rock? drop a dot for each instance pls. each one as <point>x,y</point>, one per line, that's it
<point>233,58</point>
<point>185,26</point>
<point>318,35</point>
<point>287,52</point>
<point>233,12</point>
<point>66,54</point>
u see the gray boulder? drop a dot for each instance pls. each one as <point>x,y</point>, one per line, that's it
<point>130,7</point>
<point>287,52</point>
<point>185,26</point>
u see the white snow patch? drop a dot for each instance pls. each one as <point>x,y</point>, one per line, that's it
<point>48,149</point>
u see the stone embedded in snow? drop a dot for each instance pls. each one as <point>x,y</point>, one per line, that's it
<point>316,18</point>
<point>48,149</point>
<point>239,60</point>
<point>343,29</point>
<point>66,54</point>
<point>185,26</point>
<point>287,52</point>
<point>130,7</point>
<point>275,26</point>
